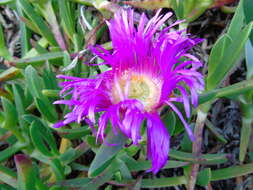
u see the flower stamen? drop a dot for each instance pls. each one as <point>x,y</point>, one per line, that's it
<point>140,87</point>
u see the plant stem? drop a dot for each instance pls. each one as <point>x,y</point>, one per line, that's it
<point>196,146</point>
<point>246,130</point>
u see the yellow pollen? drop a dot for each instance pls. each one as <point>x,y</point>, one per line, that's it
<point>141,87</point>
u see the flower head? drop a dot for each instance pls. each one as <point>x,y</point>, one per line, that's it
<point>150,69</point>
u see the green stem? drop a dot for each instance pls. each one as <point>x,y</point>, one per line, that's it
<point>246,130</point>
<point>229,91</point>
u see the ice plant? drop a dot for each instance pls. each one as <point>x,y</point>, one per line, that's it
<point>150,69</point>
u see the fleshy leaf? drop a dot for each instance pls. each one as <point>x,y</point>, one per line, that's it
<point>26,175</point>
<point>220,64</point>
<point>112,145</point>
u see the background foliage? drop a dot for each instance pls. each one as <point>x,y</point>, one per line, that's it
<point>53,38</point>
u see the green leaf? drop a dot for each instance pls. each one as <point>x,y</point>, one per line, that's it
<point>204,177</point>
<point>169,120</point>
<point>68,155</point>
<point>19,98</point>
<point>186,143</point>
<point>43,139</point>
<point>42,43</point>
<point>26,174</point>
<point>8,152</point>
<point>222,59</point>
<point>163,182</point>
<point>145,165</point>
<point>79,167</point>
<point>67,17</point>
<point>58,169</point>
<point>49,14</point>
<point>189,6</point>
<point>41,26</point>
<point>2,130</point>
<point>74,183</point>
<point>103,177</point>
<point>46,109</point>
<point>53,57</point>
<point>28,23</point>
<point>109,187</point>
<point>203,159</point>
<point>40,186</point>
<point>35,86</point>
<point>124,170</point>
<point>178,7</point>
<point>51,93</point>
<point>40,50</point>
<point>49,78</point>
<point>249,59</point>
<point>91,184</point>
<point>33,81</point>
<point>10,114</point>
<point>217,52</point>
<point>75,133</point>
<point>132,150</point>
<point>117,176</point>
<point>29,118</point>
<point>214,130</point>
<point>106,153</point>
<point>91,141</point>
<point>6,187</point>
<point>72,154</point>
<point>247,7</point>
<point>230,57</point>
<point>8,176</point>
<point>196,8</point>
<point>231,172</point>
<point>25,34</point>
<point>237,22</point>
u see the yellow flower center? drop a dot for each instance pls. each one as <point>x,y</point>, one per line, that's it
<point>137,86</point>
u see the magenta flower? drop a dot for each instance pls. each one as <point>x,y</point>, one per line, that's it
<point>150,69</point>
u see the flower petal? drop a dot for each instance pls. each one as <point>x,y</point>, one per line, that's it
<point>158,142</point>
